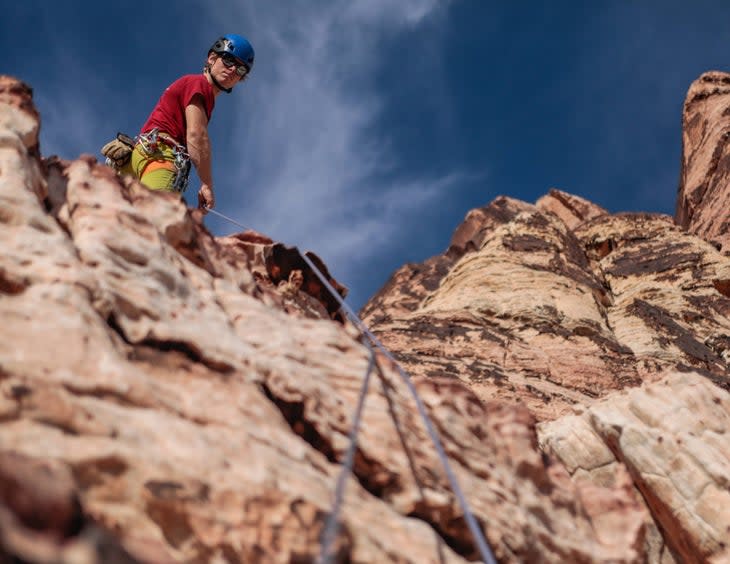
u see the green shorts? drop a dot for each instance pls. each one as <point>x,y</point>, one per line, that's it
<point>155,170</point>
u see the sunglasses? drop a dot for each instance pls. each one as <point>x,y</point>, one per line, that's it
<point>230,61</point>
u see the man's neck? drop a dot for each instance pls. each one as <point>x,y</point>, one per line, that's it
<point>217,88</point>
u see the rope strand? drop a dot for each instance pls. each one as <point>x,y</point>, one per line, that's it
<point>332,526</point>
<point>219,214</point>
<point>471,521</point>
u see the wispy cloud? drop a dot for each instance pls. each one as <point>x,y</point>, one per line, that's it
<point>386,12</point>
<point>314,170</point>
<point>301,151</point>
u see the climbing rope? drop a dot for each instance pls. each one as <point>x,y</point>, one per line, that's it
<point>471,521</point>
<point>332,525</point>
<point>230,220</point>
<point>482,545</point>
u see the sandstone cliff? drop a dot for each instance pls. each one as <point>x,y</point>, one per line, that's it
<point>569,309</point>
<point>704,200</point>
<point>168,396</point>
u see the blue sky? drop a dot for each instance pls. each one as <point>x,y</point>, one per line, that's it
<point>369,128</point>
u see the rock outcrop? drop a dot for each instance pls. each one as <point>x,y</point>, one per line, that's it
<point>704,200</point>
<point>614,329</point>
<point>555,317</point>
<point>169,396</point>
<point>672,437</point>
<point>190,406</point>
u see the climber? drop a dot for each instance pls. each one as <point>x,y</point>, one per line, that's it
<point>176,131</point>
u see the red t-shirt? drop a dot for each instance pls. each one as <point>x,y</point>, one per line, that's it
<point>169,113</point>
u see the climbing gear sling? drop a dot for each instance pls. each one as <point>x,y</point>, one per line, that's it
<point>155,150</point>
<point>150,146</point>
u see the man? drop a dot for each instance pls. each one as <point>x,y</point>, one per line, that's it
<point>176,132</point>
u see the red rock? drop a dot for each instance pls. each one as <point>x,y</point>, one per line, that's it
<point>704,200</point>
<point>198,399</point>
<point>573,210</point>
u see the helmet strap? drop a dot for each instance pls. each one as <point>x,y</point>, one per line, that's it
<point>216,83</point>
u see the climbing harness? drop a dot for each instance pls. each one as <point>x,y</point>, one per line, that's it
<point>150,145</point>
<point>330,530</point>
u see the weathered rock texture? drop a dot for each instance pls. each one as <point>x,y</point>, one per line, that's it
<point>555,317</point>
<point>564,307</point>
<point>673,437</point>
<point>703,205</point>
<point>165,397</point>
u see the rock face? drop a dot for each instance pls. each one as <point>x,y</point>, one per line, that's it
<point>613,329</point>
<point>166,396</point>
<point>704,200</point>
<point>672,435</point>
<point>169,397</point>
<point>556,317</point>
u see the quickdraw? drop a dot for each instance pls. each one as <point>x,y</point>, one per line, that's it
<point>150,144</point>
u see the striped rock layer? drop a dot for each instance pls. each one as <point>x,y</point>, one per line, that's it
<point>703,200</point>
<point>613,329</point>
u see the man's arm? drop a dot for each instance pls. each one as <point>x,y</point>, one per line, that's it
<point>199,150</point>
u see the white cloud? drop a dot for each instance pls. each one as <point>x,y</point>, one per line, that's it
<point>387,12</point>
<point>314,171</point>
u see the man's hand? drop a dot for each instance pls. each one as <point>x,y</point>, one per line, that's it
<point>206,199</point>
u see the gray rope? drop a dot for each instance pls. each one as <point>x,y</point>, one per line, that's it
<point>482,545</point>
<point>332,525</point>
<point>219,214</point>
<point>471,521</point>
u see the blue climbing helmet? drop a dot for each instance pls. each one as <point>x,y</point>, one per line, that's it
<point>235,45</point>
